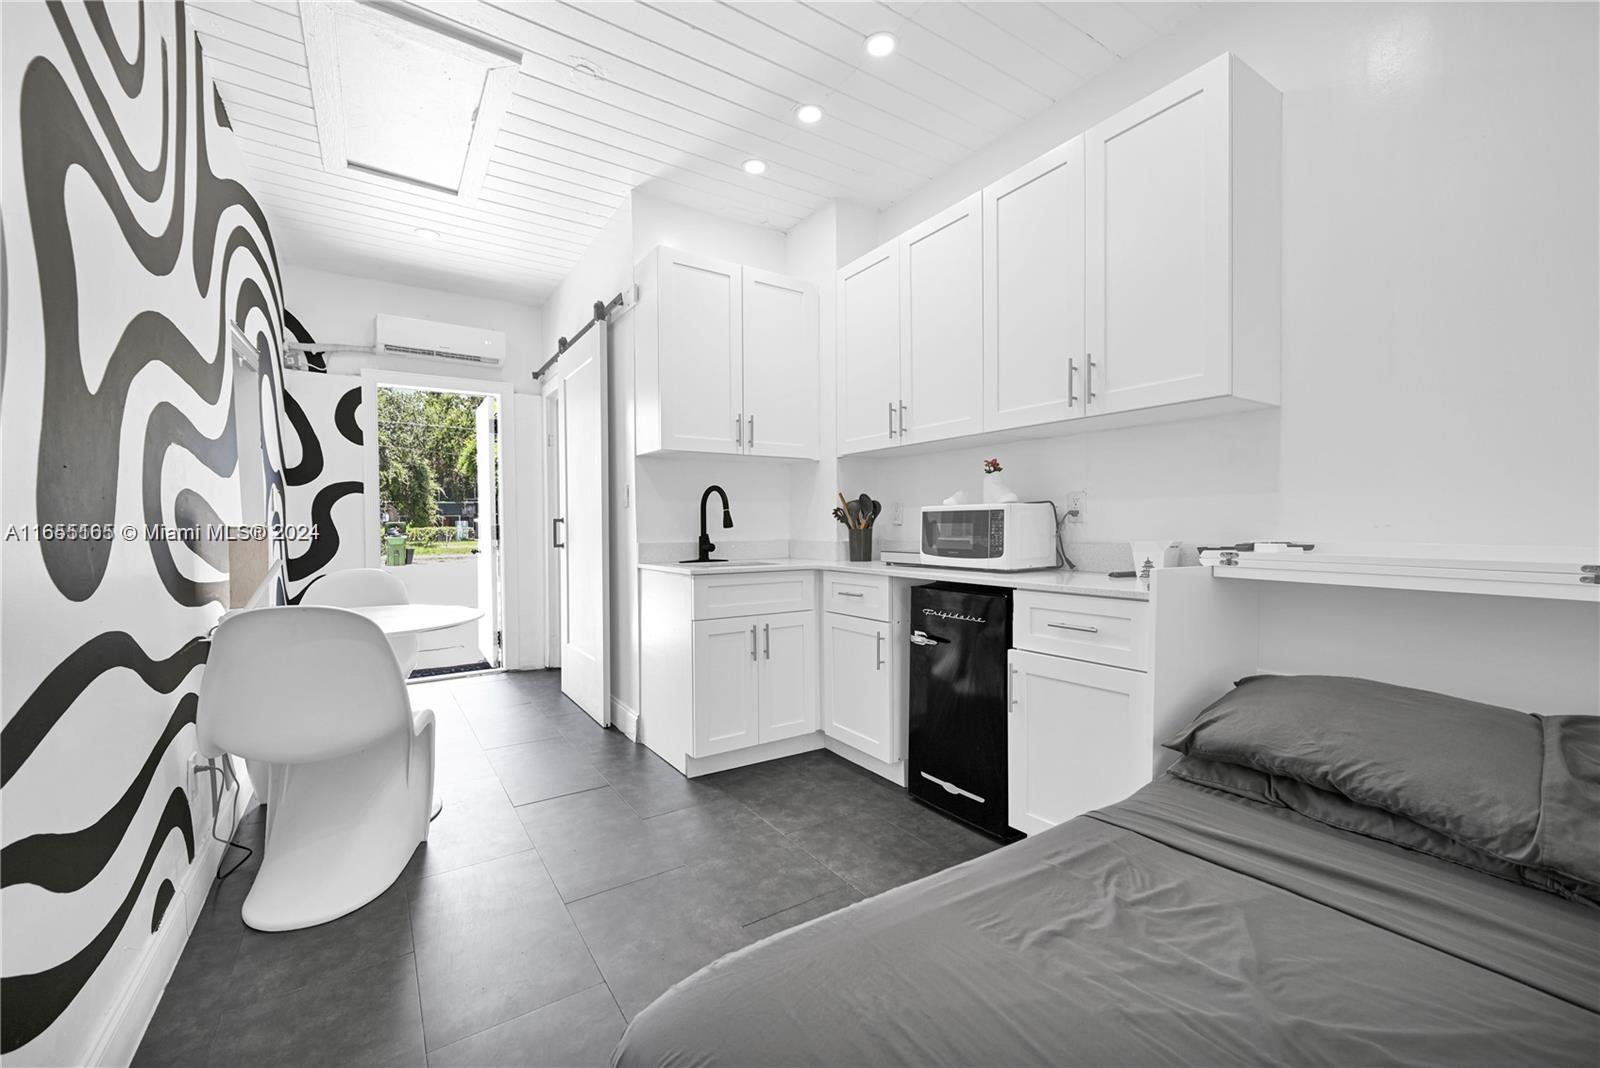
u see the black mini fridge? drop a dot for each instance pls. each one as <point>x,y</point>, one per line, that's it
<point>960,636</point>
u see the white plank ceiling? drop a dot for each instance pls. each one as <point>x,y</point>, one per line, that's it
<point>681,95</point>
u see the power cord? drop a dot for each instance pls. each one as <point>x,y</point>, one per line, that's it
<point>226,771</point>
<point>1062,559</point>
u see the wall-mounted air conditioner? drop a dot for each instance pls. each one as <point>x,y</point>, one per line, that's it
<point>399,336</point>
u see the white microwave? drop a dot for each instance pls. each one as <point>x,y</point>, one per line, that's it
<point>991,537</point>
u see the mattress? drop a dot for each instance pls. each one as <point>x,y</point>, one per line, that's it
<point>1181,926</point>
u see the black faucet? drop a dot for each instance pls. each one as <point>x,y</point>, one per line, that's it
<point>706,547</point>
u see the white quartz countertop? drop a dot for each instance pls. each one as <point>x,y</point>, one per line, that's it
<point>1085,583</point>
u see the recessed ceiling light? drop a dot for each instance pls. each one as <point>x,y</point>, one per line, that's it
<point>808,113</point>
<point>426,234</point>
<point>754,166</point>
<point>880,44</point>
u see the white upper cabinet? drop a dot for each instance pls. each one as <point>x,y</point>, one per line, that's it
<point>723,351</point>
<point>869,350</point>
<point>1033,297</point>
<point>941,325</point>
<point>1183,193</point>
<point>1133,268</point>
<point>780,365</point>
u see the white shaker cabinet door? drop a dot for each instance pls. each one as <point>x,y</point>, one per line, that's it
<point>725,669</point>
<point>857,684</point>
<point>1033,300</point>
<point>1158,224</point>
<point>869,351</point>
<point>1077,738</point>
<point>788,676</point>
<point>941,325</point>
<point>780,366</point>
<point>701,354</point>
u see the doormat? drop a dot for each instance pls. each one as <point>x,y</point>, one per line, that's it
<point>457,669</point>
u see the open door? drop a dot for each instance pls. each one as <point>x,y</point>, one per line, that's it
<point>580,530</point>
<point>488,533</point>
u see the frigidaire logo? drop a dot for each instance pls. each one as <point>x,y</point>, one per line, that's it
<point>957,616</point>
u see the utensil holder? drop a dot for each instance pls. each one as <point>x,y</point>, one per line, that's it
<point>860,545</point>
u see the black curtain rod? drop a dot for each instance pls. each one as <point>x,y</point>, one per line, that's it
<point>601,310</point>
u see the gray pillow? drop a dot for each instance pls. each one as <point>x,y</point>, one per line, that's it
<point>1337,811</point>
<point>1520,788</point>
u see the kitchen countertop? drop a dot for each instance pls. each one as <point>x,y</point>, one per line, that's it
<point>1085,583</point>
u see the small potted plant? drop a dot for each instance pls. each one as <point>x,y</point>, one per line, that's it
<point>995,491</point>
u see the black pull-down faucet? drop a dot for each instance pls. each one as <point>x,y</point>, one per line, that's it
<point>706,547</point>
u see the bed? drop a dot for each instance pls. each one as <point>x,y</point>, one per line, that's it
<point>1367,896</point>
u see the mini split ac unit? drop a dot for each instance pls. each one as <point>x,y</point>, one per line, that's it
<point>399,336</point>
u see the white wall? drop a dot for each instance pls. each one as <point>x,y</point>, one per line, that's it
<point>341,307</point>
<point>1440,311</point>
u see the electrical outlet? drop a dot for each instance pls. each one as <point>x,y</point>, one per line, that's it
<point>197,788</point>
<point>1077,505</point>
<point>897,513</point>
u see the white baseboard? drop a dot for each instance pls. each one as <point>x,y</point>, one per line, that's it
<point>625,719</point>
<point>125,1024</point>
<point>895,773</point>
<point>755,754</point>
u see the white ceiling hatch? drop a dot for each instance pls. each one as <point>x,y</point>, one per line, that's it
<point>419,170</point>
<point>404,95</point>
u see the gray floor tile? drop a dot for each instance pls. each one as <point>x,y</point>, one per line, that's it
<point>592,841</point>
<point>575,1032</point>
<point>870,855</point>
<point>802,913</point>
<point>648,935</point>
<point>369,1017</point>
<point>649,784</point>
<point>538,770</point>
<point>501,725</point>
<point>493,942</point>
<point>488,692</point>
<point>477,823</point>
<point>271,964</point>
<point>756,878</point>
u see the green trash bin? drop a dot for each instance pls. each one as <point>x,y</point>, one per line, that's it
<point>394,550</point>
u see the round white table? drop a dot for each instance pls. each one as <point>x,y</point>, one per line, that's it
<point>397,619</point>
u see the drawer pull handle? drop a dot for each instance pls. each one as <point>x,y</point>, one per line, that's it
<point>951,788</point>
<point>1074,626</point>
<point>848,593</point>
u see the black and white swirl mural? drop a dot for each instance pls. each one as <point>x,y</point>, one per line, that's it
<point>129,244</point>
<point>323,453</point>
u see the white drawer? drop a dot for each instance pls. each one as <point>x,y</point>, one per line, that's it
<point>863,596</point>
<point>1101,630</point>
<point>754,593</point>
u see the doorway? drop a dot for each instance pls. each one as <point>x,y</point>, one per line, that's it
<point>435,478</point>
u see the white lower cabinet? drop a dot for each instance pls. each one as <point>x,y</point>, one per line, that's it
<point>754,681</point>
<point>786,677</point>
<point>859,668</point>
<point>1078,738</point>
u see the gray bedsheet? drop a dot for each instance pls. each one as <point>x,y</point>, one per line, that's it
<point>1178,927</point>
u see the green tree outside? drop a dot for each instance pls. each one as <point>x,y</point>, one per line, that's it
<point>427,452</point>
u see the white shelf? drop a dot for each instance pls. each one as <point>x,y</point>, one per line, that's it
<point>1563,574</point>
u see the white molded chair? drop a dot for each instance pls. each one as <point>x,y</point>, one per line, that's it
<point>313,693</point>
<point>359,587</point>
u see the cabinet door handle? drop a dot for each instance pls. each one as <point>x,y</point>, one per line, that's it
<point>1072,378</point>
<point>752,641</point>
<point>902,418</point>
<point>766,640</point>
<point>1074,626</point>
<point>880,650</point>
<point>738,430</point>
<point>891,419</point>
<point>1088,380</point>
<point>556,526</point>
<point>750,438</point>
